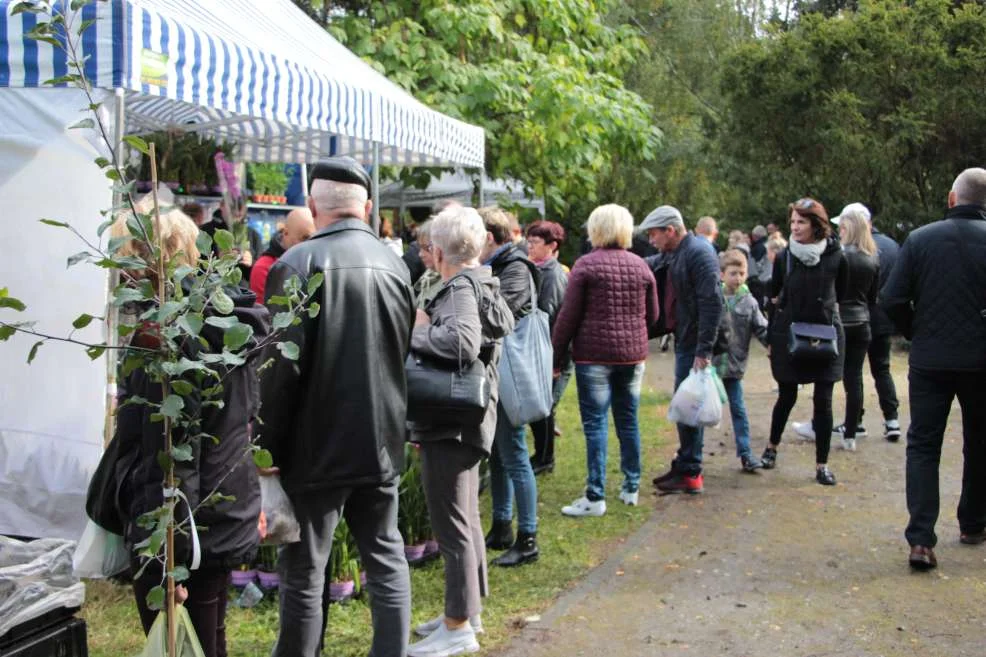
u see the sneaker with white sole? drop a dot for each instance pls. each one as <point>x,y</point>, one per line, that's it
<point>628,498</point>
<point>891,430</point>
<point>426,628</point>
<point>803,430</point>
<point>444,642</point>
<point>584,507</point>
<point>840,431</point>
<point>849,444</point>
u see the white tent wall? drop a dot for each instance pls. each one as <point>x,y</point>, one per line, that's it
<point>51,411</point>
<point>458,187</point>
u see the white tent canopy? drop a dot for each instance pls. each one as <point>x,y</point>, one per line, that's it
<point>256,72</point>
<point>458,186</point>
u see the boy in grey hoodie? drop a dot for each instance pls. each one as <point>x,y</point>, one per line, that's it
<point>742,312</point>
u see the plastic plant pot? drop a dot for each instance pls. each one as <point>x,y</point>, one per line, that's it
<point>414,552</point>
<point>268,580</point>
<point>240,578</point>
<point>339,591</point>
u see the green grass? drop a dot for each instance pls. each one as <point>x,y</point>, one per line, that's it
<point>569,549</point>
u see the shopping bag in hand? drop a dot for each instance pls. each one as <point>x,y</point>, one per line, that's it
<point>186,641</point>
<point>282,525</point>
<point>99,553</point>
<point>696,402</point>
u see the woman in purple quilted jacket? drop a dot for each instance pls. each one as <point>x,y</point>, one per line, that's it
<point>610,301</point>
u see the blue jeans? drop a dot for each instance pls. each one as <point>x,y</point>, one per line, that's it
<point>737,408</point>
<point>690,439</point>
<point>511,475</point>
<point>599,386</point>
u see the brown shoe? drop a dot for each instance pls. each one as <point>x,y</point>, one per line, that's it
<point>973,538</point>
<point>922,558</point>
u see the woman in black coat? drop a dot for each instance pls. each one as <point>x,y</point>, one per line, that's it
<point>810,278</point>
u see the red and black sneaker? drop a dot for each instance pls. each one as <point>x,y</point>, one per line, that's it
<point>682,483</point>
<point>664,478</point>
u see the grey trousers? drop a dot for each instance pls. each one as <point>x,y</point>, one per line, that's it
<point>371,513</point>
<point>450,474</point>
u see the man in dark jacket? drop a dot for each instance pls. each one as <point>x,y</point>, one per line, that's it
<point>936,295</point>
<point>692,305</point>
<point>334,417</point>
<point>510,464</point>
<point>298,227</point>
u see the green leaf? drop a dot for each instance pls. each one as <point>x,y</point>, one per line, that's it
<point>313,309</point>
<point>182,452</point>
<point>77,258</point>
<point>191,323</point>
<point>112,174</point>
<point>224,323</point>
<point>183,388</point>
<point>11,302</point>
<point>224,239</point>
<point>222,303</point>
<point>279,300</point>
<point>103,226</point>
<point>34,351</point>
<point>282,320</point>
<point>26,6</point>
<point>155,598</point>
<point>124,295</point>
<point>79,4</point>
<point>289,350</point>
<point>95,351</point>
<point>52,222</point>
<point>6,332</point>
<point>262,458</point>
<point>171,407</point>
<point>315,282</point>
<point>237,336</point>
<point>137,143</point>
<point>203,243</point>
<point>84,123</point>
<point>102,162</point>
<point>82,321</point>
<point>180,574</point>
<point>168,310</point>
<point>62,79</point>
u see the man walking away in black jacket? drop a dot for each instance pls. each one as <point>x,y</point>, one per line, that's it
<point>334,418</point>
<point>936,295</point>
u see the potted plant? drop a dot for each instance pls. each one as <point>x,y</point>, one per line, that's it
<point>267,567</point>
<point>344,570</point>
<point>242,576</point>
<point>267,181</point>
<point>413,520</point>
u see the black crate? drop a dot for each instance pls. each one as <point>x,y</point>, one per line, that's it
<point>66,639</point>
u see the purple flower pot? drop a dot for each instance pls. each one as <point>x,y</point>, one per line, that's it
<point>240,578</point>
<point>414,552</point>
<point>268,580</point>
<point>431,547</point>
<point>339,591</point>
<point>362,578</point>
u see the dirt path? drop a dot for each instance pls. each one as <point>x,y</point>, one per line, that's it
<point>774,565</point>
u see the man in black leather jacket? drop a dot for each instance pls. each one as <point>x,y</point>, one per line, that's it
<point>936,295</point>
<point>334,418</point>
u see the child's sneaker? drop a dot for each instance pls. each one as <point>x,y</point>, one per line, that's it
<point>751,463</point>
<point>891,430</point>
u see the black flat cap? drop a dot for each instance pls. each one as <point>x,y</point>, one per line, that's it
<point>342,169</point>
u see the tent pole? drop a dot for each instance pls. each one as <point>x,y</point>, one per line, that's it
<point>303,174</point>
<point>376,188</point>
<point>112,280</point>
<point>482,185</point>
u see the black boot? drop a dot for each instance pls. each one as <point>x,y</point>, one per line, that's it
<point>525,550</point>
<point>501,535</point>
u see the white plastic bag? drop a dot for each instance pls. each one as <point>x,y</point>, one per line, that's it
<point>696,402</point>
<point>99,553</point>
<point>282,525</point>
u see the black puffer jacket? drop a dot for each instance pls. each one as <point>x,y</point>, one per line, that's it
<point>336,416</point>
<point>936,293</point>
<point>807,294</point>
<point>864,283</point>
<point>228,530</point>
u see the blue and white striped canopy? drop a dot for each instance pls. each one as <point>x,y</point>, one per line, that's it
<point>256,72</point>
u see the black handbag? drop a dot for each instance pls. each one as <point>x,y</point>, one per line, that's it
<point>442,393</point>
<point>808,341</point>
<point>103,504</point>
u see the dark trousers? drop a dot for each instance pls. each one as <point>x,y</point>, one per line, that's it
<point>857,341</point>
<point>821,418</point>
<point>879,355</point>
<point>931,395</point>
<point>206,605</point>
<point>544,430</point>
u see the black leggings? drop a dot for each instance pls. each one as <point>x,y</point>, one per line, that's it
<point>822,419</point>
<point>857,342</point>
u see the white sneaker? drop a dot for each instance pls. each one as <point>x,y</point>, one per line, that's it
<point>426,628</point>
<point>628,498</point>
<point>849,444</point>
<point>583,507</point>
<point>444,642</point>
<point>803,430</point>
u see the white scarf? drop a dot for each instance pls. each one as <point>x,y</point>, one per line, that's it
<point>809,254</point>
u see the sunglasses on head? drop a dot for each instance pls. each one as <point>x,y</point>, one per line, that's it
<point>805,204</point>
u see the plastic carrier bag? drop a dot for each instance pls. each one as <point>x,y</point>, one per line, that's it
<point>282,525</point>
<point>186,641</point>
<point>99,553</point>
<point>696,403</point>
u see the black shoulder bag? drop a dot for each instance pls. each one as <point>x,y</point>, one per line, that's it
<point>807,341</point>
<point>441,393</point>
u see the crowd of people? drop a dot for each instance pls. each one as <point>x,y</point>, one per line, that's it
<point>335,419</point>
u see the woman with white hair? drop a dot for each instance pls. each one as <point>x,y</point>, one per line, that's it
<point>610,302</point>
<point>466,320</point>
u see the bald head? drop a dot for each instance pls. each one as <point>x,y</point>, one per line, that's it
<point>298,227</point>
<point>969,188</point>
<point>706,227</point>
<point>330,201</point>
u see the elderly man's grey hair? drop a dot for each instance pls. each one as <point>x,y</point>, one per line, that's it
<point>459,232</point>
<point>970,187</point>
<point>759,232</point>
<point>706,226</point>
<point>423,231</point>
<point>329,196</point>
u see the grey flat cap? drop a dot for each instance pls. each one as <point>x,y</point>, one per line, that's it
<point>661,217</point>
